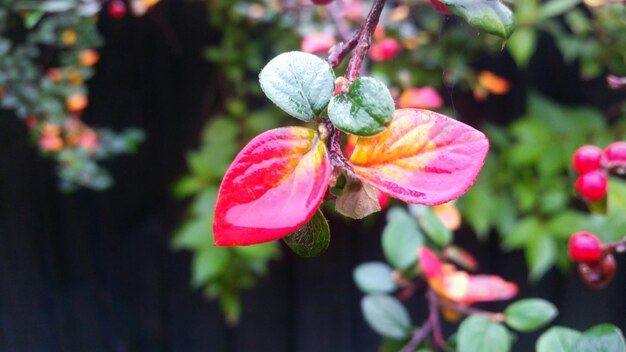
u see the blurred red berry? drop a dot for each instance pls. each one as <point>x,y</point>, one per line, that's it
<point>318,42</point>
<point>599,273</point>
<point>321,2</point>
<point>384,50</point>
<point>615,154</point>
<point>117,9</point>
<point>584,247</point>
<point>592,185</point>
<point>587,158</point>
<point>440,7</point>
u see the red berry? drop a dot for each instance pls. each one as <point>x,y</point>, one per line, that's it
<point>117,9</point>
<point>587,158</point>
<point>321,2</point>
<point>615,153</point>
<point>384,49</point>
<point>584,247</point>
<point>592,185</point>
<point>440,7</point>
<point>599,273</point>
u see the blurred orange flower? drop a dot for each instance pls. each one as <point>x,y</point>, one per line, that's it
<point>493,83</point>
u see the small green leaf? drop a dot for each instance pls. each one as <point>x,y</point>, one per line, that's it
<point>312,239</point>
<point>366,110</point>
<point>529,314</point>
<point>522,45</point>
<point>491,16</point>
<point>479,333</point>
<point>601,338</point>
<point>401,238</point>
<point>299,83</point>
<point>433,227</point>
<point>386,315</point>
<point>541,255</point>
<point>208,264</point>
<point>557,339</point>
<point>374,277</point>
<point>32,18</point>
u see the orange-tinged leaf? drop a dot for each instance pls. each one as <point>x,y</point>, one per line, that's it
<point>449,215</point>
<point>459,286</point>
<point>484,288</point>
<point>422,157</point>
<point>273,187</point>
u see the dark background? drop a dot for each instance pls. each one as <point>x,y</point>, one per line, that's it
<point>94,271</point>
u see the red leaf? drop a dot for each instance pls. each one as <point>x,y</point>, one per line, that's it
<point>423,157</point>
<point>273,187</point>
<point>429,263</point>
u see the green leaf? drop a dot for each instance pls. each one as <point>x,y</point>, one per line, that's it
<point>555,8</point>
<point>491,16</point>
<point>374,277</point>
<point>32,18</point>
<point>432,226</point>
<point>529,314</point>
<point>365,111</point>
<point>208,264</point>
<point>601,338</point>
<point>540,255</point>
<point>401,238</point>
<point>616,195</point>
<point>299,83</point>
<point>312,239</point>
<point>386,315</point>
<point>194,234</point>
<point>522,45</point>
<point>565,223</point>
<point>479,333</point>
<point>557,339</point>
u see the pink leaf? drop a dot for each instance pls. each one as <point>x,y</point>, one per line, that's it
<point>422,157</point>
<point>273,187</point>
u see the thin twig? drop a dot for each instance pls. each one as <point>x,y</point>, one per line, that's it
<point>418,336</point>
<point>433,317</point>
<point>498,317</point>
<point>360,43</point>
<point>337,159</point>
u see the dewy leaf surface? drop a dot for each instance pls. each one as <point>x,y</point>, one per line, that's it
<point>365,111</point>
<point>491,16</point>
<point>299,83</point>
<point>422,157</point>
<point>272,188</point>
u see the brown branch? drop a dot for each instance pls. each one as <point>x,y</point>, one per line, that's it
<point>337,159</point>
<point>418,336</point>
<point>365,39</point>
<point>360,42</point>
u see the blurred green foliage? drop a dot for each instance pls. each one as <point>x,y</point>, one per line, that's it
<point>525,191</point>
<point>41,43</point>
<point>222,272</point>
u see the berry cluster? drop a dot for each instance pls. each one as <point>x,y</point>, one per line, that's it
<point>593,164</point>
<point>596,263</point>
